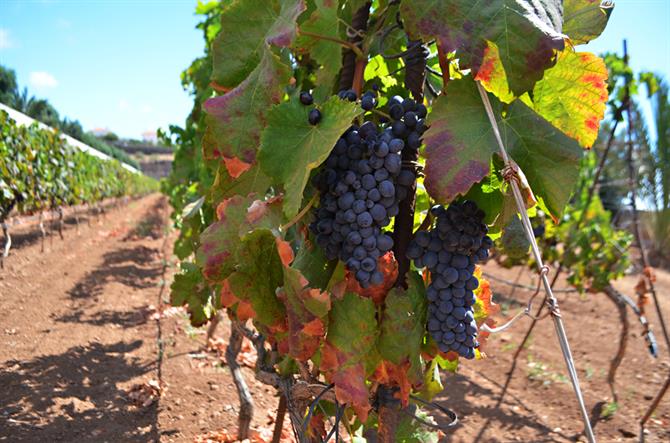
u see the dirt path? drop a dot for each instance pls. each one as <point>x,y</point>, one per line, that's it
<point>78,330</point>
<point>75,334</point>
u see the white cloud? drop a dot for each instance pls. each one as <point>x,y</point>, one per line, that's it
<point>42,79</point>
<point>146,109</point>
<point>5,41</point>
<point>124,105</point>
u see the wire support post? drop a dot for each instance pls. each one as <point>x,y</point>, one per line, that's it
<point>511,176</point>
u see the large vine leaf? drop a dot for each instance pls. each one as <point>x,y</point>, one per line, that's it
<point>289,139</point>
<point>258,274</point>
<point>188,289</point>
<point>323,21</point>
<point>460,142</point>
<point>306,312</point>
<point>247,27</point>
<point>352,332</point>
<point>584,20</point>
<point>526,33</point>
<point>573,95</point>
<point>235,120</point>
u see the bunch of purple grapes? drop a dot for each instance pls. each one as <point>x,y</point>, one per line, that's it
<point>450,251</point>
<point>360,189</point>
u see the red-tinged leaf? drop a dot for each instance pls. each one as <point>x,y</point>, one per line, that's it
<point>306,312</point>
<point>527,33</point>
<point>245,311</point>
<point>261,210</point>
<point>217,87</point>
<point>235,166</point>
<point>584,20</point>
<point>247,28</point>
<point>573,94</point>
<point>228,299</point>
<point>403,326</point>
<point>219,243</point>
<point>388,266</point>
<point>235,120</point>
<point>285,251</point>
<point>455,160</point>
<point>251,181</point>
<point>289,139</point>
<point>492,75</point>
<point>217,255</point>
<point>349,379</point>
<point>352,333</point>
<point>391,374</point>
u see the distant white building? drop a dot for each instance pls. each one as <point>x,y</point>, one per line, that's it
<point>150,137</point>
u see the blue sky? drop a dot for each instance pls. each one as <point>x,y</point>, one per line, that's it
<point>116,63</point>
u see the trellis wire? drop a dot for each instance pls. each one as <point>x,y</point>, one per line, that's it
<point>542,269</point>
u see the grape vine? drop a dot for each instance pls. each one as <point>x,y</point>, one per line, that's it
<point>294,173</point>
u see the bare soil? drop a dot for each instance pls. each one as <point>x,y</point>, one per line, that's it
<point>81,339</point>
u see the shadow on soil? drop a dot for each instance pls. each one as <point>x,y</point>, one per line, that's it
<point>135,267</point>
<point>75,396</point>
<point>459,386</point>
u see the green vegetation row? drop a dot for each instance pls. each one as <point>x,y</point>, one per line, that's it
<point>40,171</point>
<point>40,109</point>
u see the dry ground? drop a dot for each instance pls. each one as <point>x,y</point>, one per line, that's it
<point>79,329</point>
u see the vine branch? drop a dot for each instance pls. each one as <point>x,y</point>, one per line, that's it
<point>349,45</point>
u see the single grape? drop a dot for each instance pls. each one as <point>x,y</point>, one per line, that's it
<point>314,116</point>
<point>306,98</point>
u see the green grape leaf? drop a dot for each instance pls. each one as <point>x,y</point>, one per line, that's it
<point>432,383</point>
<point>188,288</point>
<point>311,261</point>
<point>488,196</point>
<point>235,120</point>
<point>573,94</point>
<point>460,142</point>
<point>323,21</point>
<point>352,333</point>
<point>258,274</point>
<point>306,313</point>
<point>411,430</point>
<point>289,139</point>
<point>526,33</point>
<point>584,20</point>
<point>403,325</point>
<point>247,28</point>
